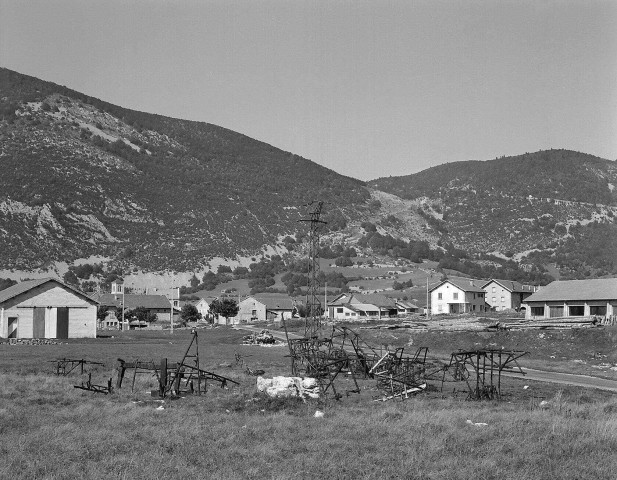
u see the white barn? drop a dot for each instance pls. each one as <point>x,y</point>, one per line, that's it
<point>46,308</point>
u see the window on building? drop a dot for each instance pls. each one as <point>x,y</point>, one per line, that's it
<point>494,289</point>
<point>577,310</point>
<point>597,310</point>
<point>493,299</point>
<point>439,308</point>
<point>455,295</point>
<point>339,310</point>
<point>537,311</point>
<point>254,313</point>
<point>503,299</point>
<point>439,296</point>
<point>555,311</point>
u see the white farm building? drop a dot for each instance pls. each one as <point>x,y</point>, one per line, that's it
<point>46,308</point>
<point>574,298</point>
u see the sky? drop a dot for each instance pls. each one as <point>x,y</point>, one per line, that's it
<point>366,88</point>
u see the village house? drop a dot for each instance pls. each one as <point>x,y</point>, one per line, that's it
<point>574,298</point>
<point>203,307</point>
<point>404,307</point>
<point>458,295</point>
<point>158,305</point>
<point>506,294</point>
<point>265,307</point>
<point>354,306</point>
<point>46,308</point>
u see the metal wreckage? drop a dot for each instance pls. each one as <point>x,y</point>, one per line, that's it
<point>338,360</point>
<point>174,379</point>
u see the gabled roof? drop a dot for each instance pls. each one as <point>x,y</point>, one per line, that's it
<point>373,299</point>
<point>274,301</point>
<point>465,284</point>
<point>406,304</point>
<point>23,287</point>
<point>592,289</point>
<point>363,307</point>
<point>512,286</point>
<point>132,301</point>
<point>340,299</point>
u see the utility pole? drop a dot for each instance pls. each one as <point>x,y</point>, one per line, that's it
<point>428,310</point>
<point>122,307</point>
<point>325,301</point>
<point>171,312</point>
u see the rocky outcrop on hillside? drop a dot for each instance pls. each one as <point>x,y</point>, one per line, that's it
<point>82,177</point>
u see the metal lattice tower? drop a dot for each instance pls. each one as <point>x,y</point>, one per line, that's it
<point>312,325</point>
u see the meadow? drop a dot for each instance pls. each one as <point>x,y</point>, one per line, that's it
<point>52,430</point>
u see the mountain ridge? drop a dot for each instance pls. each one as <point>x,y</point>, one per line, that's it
<point>85,178</point>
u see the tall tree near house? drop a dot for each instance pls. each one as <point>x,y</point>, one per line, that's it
<point>101,313</point>
<point>225,307</point>
<point>70,278</point>
<point>189,313</point>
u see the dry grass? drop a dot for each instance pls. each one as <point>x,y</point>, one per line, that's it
<point>51,430</point>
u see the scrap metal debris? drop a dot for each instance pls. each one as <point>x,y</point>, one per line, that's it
<point>183,377</point>
<point>481,370</point>
<point>104,389</point>
<point>344,352</point>
<point>64,366</point>
<point>173,379</point>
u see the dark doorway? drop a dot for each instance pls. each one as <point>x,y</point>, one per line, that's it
<point>38,322</point>
<point>12,327</point>
<point>63,323</point>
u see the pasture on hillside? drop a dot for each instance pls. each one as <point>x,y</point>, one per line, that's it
<point>52,430</point>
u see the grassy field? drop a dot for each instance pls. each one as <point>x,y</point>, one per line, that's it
<point>51,430</point>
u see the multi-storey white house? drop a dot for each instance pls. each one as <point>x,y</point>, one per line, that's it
<point>506,294</point>
<point>458,295</point>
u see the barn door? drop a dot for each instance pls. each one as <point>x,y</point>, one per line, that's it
<point>38,319</point>
<point>62,330</point>
<point>12,327</point>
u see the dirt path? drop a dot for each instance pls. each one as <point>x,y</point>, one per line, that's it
<point>585,381</point>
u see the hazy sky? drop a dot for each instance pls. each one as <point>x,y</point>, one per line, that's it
<point>367,88</point>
